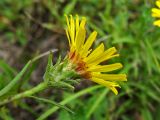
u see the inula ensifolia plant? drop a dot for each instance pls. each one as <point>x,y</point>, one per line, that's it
<point>81,62</point>
<point>84,62</point>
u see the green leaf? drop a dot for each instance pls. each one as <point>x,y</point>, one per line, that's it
<point>96,103</point>
<point>48,68</point>
<point>7,69</point>
<point>63,115</point>
<point>146,114</point>
<point>67,100</point>
<point>69,7</point>
<point>4,114</point>
<point>52,102</point>
<point>15,80</point>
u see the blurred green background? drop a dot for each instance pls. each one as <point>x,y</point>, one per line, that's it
<point>30,27</point>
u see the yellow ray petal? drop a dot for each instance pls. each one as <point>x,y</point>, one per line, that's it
<point>112,56</point>
<point>68,38</point>
<point>114,90</point>
<point>70,30</point>
<point>98,61</point>
<point>158,3</point>
<point>155,15</point>
<point>105,68</point>
<point>108,84</point>
<point>108,54</point>
<point>89,43</point>
<point>80,33</point>
<point>112,77</point>
<point>80,38</point>
<point>83,22</point>
<point>155,12</point>
<point>77,23</point>
<point>72,26</point>
<point>96,53</point>
<point>157,23</point>
<point>67,22</point>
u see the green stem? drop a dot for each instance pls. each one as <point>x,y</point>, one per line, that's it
<point>27,93</point>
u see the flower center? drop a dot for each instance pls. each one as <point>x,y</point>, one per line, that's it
<point>80,65</point>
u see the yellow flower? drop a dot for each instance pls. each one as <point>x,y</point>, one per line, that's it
<point>156,13</point>
<point>87,61</point>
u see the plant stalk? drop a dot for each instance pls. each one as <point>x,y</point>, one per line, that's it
<point>27,93</point>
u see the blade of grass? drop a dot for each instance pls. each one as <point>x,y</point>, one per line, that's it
<point>147,90</point>
<point>96,103</point>
<point>8,69</point>
<point>146,114</point>
<point>4,114</point>
<point>53,103</point>
<point>20,74</point>
<point>69,7</point>
<point>150,49</point>
<point>69,99</point>
<point>15,80</point>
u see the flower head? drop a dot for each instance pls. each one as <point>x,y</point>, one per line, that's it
<point>86,61</point>
<point>156,13</point>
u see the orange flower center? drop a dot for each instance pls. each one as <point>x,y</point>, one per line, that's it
<point>80,65</point>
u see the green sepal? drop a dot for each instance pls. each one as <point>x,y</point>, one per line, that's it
<point>60,75</point>
<point>48,68</point>
<point>62,85</point>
